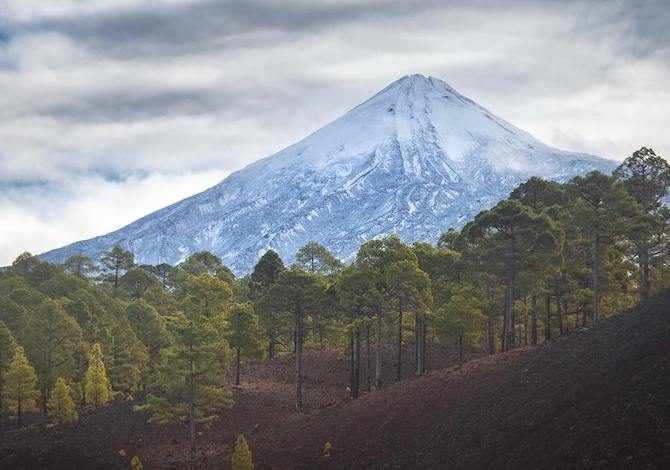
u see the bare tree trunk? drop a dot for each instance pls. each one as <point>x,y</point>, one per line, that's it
<point>352,367</point>
<point>417,345</point>
<point>378,354</point>
<point>645,282</point>
<point>368,357</point>
<point>595,279</point>
<point>2,407</point>
<point>191,427</point>
<point>271,346</point>
<point>507,316</point>
<point>237,365</point>
<point>547,325</point>
<point>398,377</point>
<point>420,328</point>
<point>460,349</point>
<point>559,311</point>
<point>490,330</point>
<point>424,332</point>
<point>19,415</point>
<point>357,363</point>
<point>298,364</point>
<point>533,319</point>
<point>525,321</point>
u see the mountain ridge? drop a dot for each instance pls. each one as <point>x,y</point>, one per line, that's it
<point>414,159</point>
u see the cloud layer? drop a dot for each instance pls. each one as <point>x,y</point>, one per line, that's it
<point>144,102</point>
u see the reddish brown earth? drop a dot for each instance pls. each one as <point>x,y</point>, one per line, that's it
<point>596,398</point>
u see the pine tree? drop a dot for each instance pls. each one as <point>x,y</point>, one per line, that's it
<point>97,389</point>
<point>241,459</point>
<point>315,258</point>
<point>7,348</point>
<point>507,239</point>
<point>646,176</point>
<point>21,386</point>
<point>241,332</point>
<point>397,282</point>
<point>190,391</point>
<point>54,340</point>
<point>264,276</point>
<point>79,265</point>
<point>299,294</point>
<point>115,261</point>
<point>605,212</point>
<point>61,406</point>
<point>207,295</point>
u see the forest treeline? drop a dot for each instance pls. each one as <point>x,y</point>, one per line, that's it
<point>549,259</point>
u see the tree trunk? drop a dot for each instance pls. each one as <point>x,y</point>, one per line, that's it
<point>424,331</point>
<point>271,346</point>
<point>298,364</point>
<point>417,346</point>
<point>116,276</point>
<point>2,407</point>
<point>525,321</point>
<point>19,415</point>
<point>398,377</point>
<point>237,366</point>
<point>460,349</point>
<point>368,357</point>
<point>595,272</point>
<point>507,317</point>
<point>645,283</point>
<point>357,363</point>
<point>490,330</point>
<point>419,326</point>
<point>352,367</point>
<point>547,325</point>
<point>378,355</point>
<point>533,320</point>
<point>559,310</point>
<point>191,427</point>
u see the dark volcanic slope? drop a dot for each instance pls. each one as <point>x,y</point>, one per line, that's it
<point>593,399</point>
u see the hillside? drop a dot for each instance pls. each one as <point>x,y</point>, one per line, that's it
<point>591,399</point>
<point>415,159</point>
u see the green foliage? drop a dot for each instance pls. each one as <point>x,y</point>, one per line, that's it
<point>189,368</point>
<point>135,463</point>
<point>241,459</point>
<point>207,295</point>
<point>461,318</point>
<point>51,338</point>
<point>97,389</point>
<point>240,329</point>
<point>315,258</point>
<point>646,176</point>
<point>327,448</point>
<point>61,406</point>
<point>7,350</point>
<point>116,261</point>
<point>79,265</point>
<point>20,382</point>
<point>135,282</point>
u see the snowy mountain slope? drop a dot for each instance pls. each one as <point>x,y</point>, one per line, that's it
<point>415,159</point>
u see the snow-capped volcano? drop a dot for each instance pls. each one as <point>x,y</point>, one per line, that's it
<point>415,159</point>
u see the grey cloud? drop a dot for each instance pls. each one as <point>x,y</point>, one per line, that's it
<point>189,28</point>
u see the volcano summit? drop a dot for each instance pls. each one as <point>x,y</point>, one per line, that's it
<point>415,159</point>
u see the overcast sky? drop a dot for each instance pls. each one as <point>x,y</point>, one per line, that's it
<point>111,109</point>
